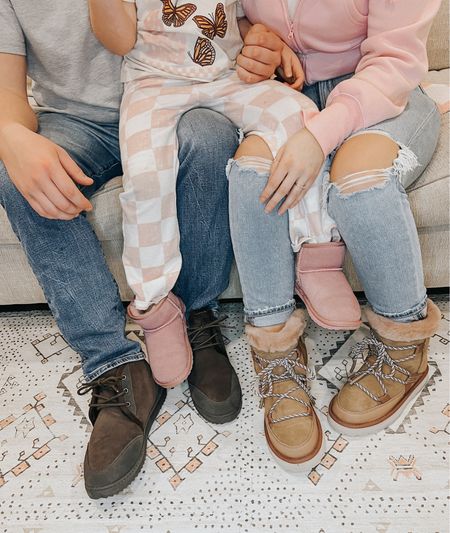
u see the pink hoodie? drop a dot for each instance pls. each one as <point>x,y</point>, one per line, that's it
<point>382,41</point>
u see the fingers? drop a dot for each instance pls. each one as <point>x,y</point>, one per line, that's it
<point>247,76</point>
<point>255,67</point>
<point>282,191</point>
<point>297,74</point>
<point>297,85</point>
<point>57,198</point>
<point>262,54</point>
<point>45,208</point>
<point>295,195</point>
<point>70,191</point>
<point>72,168</point>
<point>276,177</point>
<point>286,63</point>
<point>63,181</point>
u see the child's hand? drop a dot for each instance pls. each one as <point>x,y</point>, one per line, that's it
<point>260,56</point>
<point>291,70</point>
<point>294,170</point>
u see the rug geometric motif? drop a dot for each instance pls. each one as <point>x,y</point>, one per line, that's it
<point>204,477</point>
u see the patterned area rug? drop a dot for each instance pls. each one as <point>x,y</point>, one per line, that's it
<point>201,477</point>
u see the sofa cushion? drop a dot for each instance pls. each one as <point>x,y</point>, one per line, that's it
<point>437,85</point>
<point>438,46</point>
<point>428,196</point>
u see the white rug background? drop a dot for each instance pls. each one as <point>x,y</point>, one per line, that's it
<point>202,477</point>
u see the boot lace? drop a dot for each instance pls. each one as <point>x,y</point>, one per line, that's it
<point>372,346</point>
<point>205,336</point>
<point>99,401</point>
<point>267,380</point>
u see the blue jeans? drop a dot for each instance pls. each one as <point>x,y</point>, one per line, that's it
<point>67,258</point>
<point>376,224</point>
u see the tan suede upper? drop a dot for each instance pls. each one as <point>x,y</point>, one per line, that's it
<point>291,425</point>
<point>384,383</point>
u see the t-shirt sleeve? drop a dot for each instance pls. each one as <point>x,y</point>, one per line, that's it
<point>12,40</point>
<point>239,10</point>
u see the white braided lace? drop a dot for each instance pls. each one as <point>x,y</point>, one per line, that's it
<point>267,379</point>
<point>372,346</point>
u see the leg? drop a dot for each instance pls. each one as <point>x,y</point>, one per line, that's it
<point>66,256</point>
<point>320,281</point>
<point>266,267</point>
<point>273,112</point>
<point>370,205</point>
<point>368,201</point>
<point>261,243</point>
<point>265,262</point>
<point>149,150</point>
<point>207,140</point>
<point>375,220</point>
<point>151,254</point>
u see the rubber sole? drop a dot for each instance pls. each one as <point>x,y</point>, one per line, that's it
<point>342,326</point>
<point>114,488</point>
<point>383,424</point>
<point>218,419</point>
<point>298,468</point>
<point>300,465</point>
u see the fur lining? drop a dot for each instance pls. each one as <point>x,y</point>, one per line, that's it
<point>285,340</point>
<point>406,331</point>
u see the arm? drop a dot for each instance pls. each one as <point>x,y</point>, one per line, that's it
<point>42,171</point>
<point>14,106</point>
<point>114,24</point>
<point>393,63</point>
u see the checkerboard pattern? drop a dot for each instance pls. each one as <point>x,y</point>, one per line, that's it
<point>150,111</point>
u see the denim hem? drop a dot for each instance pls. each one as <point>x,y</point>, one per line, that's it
<point>271,320</point>
<point>113,364</point>
<point>270,316</point>
<point>415,313</point>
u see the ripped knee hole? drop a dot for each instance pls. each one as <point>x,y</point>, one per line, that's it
<point>364,180</point>
<point>261,165</point>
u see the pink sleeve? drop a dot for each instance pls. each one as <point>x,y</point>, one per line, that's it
<point>393,63</point>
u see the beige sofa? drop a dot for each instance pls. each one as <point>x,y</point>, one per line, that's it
<point>429,200</point>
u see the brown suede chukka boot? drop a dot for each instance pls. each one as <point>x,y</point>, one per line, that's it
<point>213,383</point>
<point>291,425</point>
<point>394,372</point>
<point>125,402</point>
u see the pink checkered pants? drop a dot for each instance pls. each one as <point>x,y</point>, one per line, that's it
<point>150,112</point>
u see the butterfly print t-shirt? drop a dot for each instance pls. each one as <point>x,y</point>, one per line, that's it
<point>197,41</point>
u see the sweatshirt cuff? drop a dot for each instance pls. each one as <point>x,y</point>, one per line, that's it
<point>335,123</point>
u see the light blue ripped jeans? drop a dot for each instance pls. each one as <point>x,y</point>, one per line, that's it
<point>376,224</point>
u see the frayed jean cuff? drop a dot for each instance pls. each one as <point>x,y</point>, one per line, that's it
<point>270,316</point>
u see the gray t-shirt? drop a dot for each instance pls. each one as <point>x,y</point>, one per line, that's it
<point>71,71</point>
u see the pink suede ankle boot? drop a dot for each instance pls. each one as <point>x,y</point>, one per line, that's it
<point>323,287</point>
<point>169,352</point>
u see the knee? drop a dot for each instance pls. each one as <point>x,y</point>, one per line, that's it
<point>204,133</point>
<point>254,146</point>
<point>253,159</point>
<point>368,161</point>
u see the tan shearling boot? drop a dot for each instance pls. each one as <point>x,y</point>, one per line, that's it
<point>394,372</point>
<point>291,425</point>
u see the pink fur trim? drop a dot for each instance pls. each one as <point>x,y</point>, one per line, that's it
<point>263,340</point>
<point>409,331</point>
